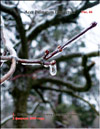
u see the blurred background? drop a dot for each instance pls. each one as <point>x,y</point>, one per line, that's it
<point>70,99</point>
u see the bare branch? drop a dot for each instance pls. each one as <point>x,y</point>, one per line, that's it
<point>45,101</point>
<point>76,55</point>
<point>34,109</point>
<point>60,48</point>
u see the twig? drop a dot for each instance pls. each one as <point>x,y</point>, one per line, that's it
<point>60,48</point>
<point>34,109</point>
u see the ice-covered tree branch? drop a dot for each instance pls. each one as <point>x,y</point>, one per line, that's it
<point>44,58</point>
<point>14,12</point>
<point>60,48</point>
<point>13,55</point>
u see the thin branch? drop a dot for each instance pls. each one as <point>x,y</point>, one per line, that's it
<point>76,55</point>
<point>45,101</point>
<point>34,109</point>
<point>60,48</point>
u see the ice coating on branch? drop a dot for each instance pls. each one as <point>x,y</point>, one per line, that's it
<point>29,64</point>
<point>53,68</point>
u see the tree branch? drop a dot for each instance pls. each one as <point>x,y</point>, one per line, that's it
<point>76,55</point>
<point>60,48</point>
<point>15,13</point>
<point>34,109</point>
<point>33,33</point>
<point>69,84</point>
<point>45,101</point>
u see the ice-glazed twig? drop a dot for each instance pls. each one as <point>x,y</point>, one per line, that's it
<point>27,61</point>
<point>60,48</point>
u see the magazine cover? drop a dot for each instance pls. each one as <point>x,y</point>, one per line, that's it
<point>50,64</point>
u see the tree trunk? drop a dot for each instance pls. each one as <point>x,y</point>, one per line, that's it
<point>20,94</point>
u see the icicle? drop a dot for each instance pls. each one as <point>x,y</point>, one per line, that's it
<point>53,69</point>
